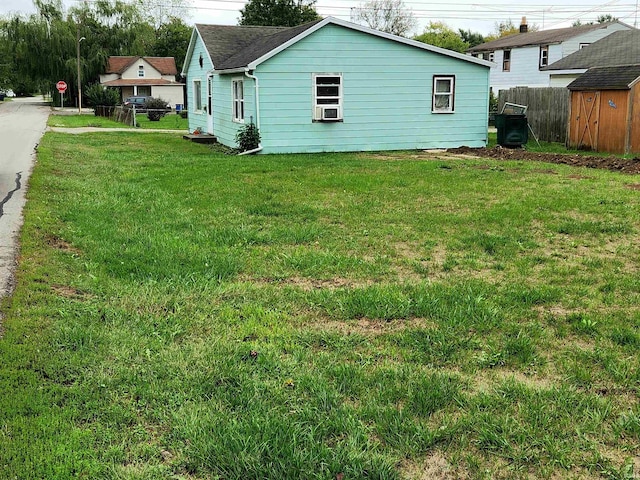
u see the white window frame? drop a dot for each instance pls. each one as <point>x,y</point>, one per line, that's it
<point>141,71</point>
<point>338,99</point>
<point>237,106</point>
<point>506,63</point>
<point>544,56</point>
<point>197,95</point>
<point>451,93</point>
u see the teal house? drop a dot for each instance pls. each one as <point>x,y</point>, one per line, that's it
<point>330,86</point>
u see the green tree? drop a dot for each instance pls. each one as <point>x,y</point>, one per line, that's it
<point>506,28</point>
<point>97,96</point>
<point>471,38</point>
<point>440,35</point>
<point>172,40</point>
<point>282,13</point>
<point>606,18</point>
<point>40,49</point>
<point>390,16</point>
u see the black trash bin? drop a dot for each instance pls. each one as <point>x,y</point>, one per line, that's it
<point>2,95</point>
<point>513,130</point>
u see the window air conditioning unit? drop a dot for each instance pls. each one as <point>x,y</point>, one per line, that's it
<point>328,113</point>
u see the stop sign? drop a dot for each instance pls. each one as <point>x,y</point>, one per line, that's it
<point>61,86</point>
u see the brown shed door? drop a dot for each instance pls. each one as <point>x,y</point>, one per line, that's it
<point>585,108</point>
<point>613,121</point>
<point>635,120</point>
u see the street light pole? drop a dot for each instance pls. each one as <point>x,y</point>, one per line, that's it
<point>79,78</point>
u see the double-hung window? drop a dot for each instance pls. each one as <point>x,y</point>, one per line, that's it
<point>544,56</point>
<point>327,97</point>
<point>443,100</point>
<point>238,100</point>
<point>141,71</point>
<point>197,95</point>
<point>506,60</point>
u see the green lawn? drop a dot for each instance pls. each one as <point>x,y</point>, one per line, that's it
<point>185,314</point>
<point>76,121</point>
<point>171,121</point>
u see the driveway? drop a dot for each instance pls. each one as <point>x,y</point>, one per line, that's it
<point>22,124</point>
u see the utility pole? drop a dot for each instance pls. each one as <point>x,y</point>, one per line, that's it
<point>79,39</point>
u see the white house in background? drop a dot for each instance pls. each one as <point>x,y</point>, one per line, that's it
<point>617,49</point>
<point>145,77</point>
<point>520,59</point>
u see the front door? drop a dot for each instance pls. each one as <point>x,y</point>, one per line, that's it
<point>585,108</point>
<point>210,105</point>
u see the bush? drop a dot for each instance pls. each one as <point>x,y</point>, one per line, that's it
<point>248,137</point>
<point>156,108</point>
<point>493,102</point>
<point>97,96</point>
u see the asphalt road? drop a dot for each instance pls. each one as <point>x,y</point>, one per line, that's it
<point>22,124</point>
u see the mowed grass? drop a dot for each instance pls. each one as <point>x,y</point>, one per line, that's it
<point>77,121</point>
<point>170,121</point>
<point>184,314</point>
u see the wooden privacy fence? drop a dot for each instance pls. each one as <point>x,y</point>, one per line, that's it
<point>547,113</point>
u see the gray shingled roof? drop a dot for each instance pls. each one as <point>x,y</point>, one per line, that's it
<point>619,48</point>
<point>607,78</point>
<point>237,46</point>
<point>542,37</point>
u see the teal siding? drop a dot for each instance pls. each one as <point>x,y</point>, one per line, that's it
<point>387,90</point>
<point>225,128</point>
<point>197,119</point>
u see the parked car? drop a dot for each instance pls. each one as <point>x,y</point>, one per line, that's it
<point>138,102</point>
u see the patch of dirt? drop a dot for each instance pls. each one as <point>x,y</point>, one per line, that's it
<point>486,381</point>
<point>434,467</point>
<point>633,186</point>
<point>67,291</point>
<point>624,165</point>
<point>368,327</point>
<point>309,284</point>
<point>61,244</point>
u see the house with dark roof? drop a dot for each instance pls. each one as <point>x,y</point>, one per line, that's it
<point>619,48</point>
<point>520,60</point>
<point>145,77</point>
<point>605,109</point>
<point>331,85</point>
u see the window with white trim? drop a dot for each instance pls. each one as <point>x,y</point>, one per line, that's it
<point>141,71</point>
<point>506,61</point>
<point>237,87</point>
<point>443,100</point>
<point>197,95</point>
<point>544,56</point>
<point>327,97</point>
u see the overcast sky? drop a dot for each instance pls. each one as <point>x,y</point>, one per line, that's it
<point>477,15</point>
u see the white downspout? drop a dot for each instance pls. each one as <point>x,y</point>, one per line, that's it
<point>257,86</point>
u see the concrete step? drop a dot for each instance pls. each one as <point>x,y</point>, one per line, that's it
<point>200,138</point>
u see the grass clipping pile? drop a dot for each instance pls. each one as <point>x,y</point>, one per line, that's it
<point>617,164</point>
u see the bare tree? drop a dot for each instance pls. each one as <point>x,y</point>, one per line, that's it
<point>391,16</point>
